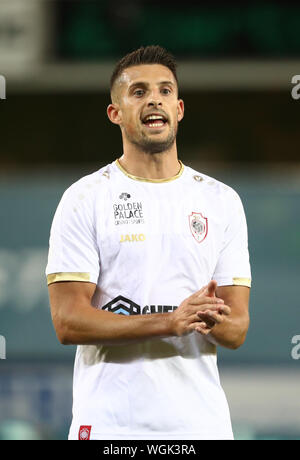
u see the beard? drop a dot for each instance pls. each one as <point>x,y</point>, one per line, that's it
<point>151,145</point>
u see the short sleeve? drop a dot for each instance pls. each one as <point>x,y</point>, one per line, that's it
<point>233,265</point>
<point>73,252</point>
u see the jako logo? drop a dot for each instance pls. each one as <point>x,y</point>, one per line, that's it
<point>2,347</point>
<point>2,87</point>
<point>132,238</point>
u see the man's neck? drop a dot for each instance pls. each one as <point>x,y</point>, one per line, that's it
<point>151,165</point>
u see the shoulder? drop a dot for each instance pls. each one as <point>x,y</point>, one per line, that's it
<point>82,197</point>
<point>210,186</point>
<point>89,187</point>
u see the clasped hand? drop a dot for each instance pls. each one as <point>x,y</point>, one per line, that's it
<point>200,312</point>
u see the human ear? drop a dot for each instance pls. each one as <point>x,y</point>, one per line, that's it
<point>180,109</point>
<point>114,114</point>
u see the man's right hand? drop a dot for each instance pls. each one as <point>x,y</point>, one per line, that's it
<point>185,319</point>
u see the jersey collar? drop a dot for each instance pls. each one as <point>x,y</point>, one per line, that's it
<point>143,179</point>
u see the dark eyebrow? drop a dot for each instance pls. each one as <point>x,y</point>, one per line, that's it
<point>138,84</point>
<point>143,84</point>
<point>166,83</point>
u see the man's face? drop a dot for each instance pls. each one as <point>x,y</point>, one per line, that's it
<point>146,106</point>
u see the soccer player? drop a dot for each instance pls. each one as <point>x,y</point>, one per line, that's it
<point>148,274</point>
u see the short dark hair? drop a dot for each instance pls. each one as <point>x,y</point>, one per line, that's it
<point>153,54</point>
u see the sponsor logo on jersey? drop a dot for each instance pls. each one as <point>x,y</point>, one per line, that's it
<point>84,432</point>
<point>130,212</point>
<point>148,309</point>
<point>124,196</point>
<point>199,226</point>
<point>123,306</point>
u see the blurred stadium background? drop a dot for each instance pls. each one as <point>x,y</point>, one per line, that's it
<point>241,126</point>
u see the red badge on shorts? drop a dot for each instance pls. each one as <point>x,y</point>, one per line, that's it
<point>84,432</point>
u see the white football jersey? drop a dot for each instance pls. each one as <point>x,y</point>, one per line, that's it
<point>148,245</point>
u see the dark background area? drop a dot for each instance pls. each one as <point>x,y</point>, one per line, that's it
<point>190,29</point>
<point>221,126</point>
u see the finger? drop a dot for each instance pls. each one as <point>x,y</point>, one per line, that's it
<point>212,285</point>
<point>221,309</point>
<point>224,309</point>
<point>211,318</point>
<point>193,313</point>
<point>211,288</point>
<point>199,300</point>
<point>209,322</point>
<point>196,319</point>
<point>216,308</point>
<point>197,322</point>
<point>203,329</point>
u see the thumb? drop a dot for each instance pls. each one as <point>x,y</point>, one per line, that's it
<point>211,288</point>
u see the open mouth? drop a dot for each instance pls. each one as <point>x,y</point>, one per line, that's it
<point>154,121</point>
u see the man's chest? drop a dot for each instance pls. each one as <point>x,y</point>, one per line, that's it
<point>139,224</point>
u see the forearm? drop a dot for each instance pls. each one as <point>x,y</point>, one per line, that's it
<point>85,325</point>
<point>78,322</point>
<point>231,333</point>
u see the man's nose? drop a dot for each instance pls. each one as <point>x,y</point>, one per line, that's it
<point>154,99</point>
<point>154,103</point>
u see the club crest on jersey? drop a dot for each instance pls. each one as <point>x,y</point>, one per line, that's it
<point>198,226</point>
